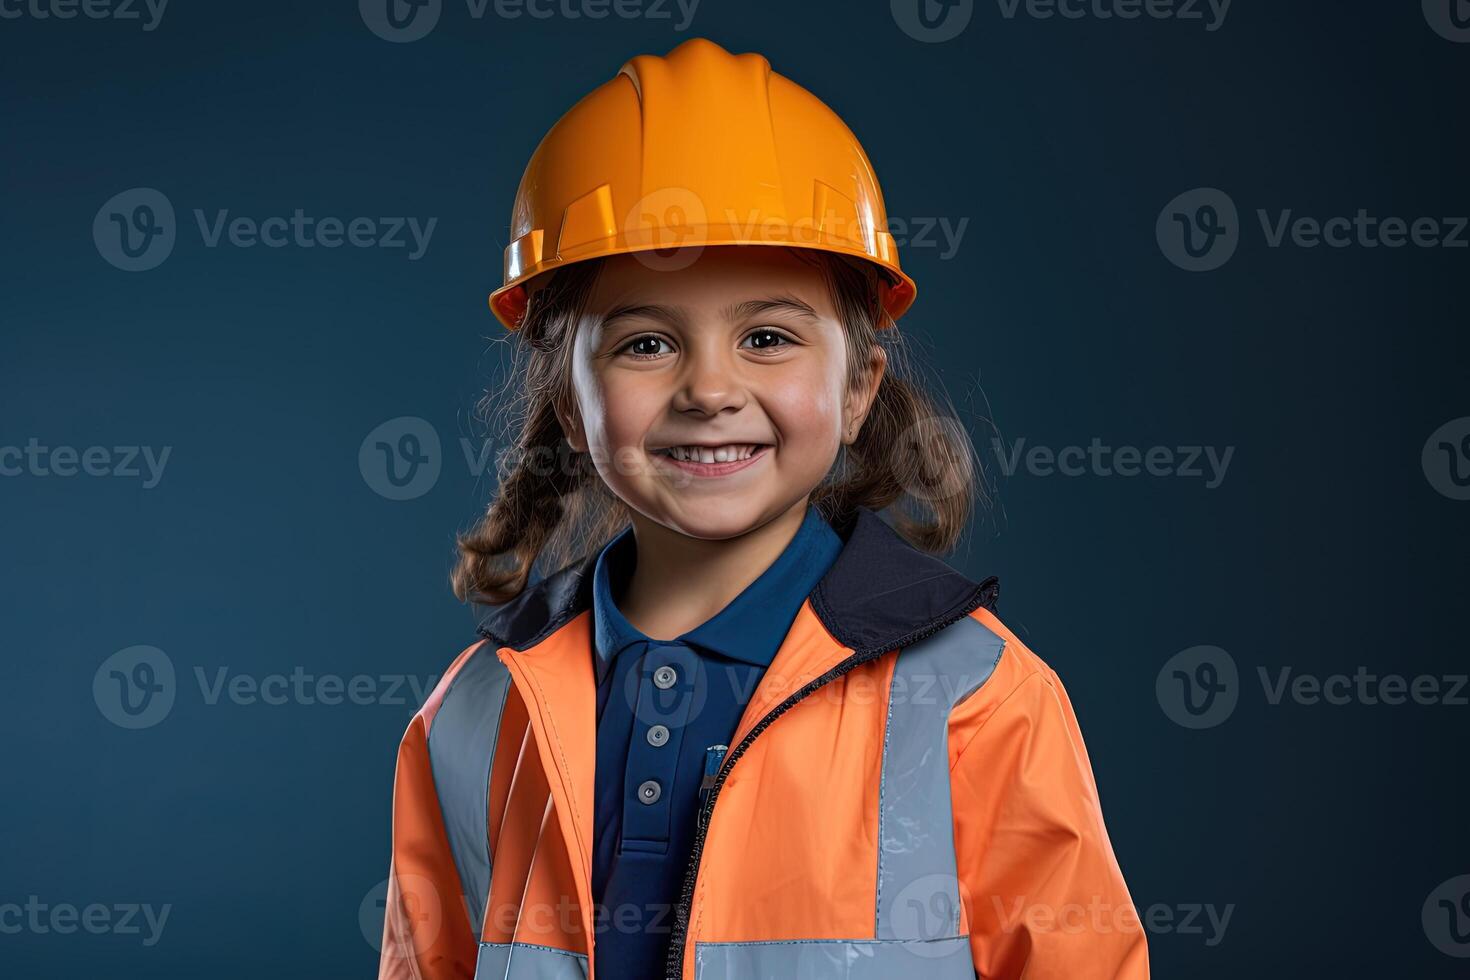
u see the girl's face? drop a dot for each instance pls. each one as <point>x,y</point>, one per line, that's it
<point>714,398</point>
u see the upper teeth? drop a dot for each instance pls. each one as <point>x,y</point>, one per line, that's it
<point>712,454</point>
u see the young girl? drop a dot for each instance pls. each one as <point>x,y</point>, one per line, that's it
<point>745,728</point>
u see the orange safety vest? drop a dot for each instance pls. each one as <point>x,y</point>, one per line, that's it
<point>907,793</point>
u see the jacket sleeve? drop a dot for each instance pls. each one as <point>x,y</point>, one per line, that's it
<point>1045,897</point>
<point>426,930</point>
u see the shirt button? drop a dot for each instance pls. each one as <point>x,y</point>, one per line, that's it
<point>664,677</point>
<point>658,735</point>
<point>649,791</point>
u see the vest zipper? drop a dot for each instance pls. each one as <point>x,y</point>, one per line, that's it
<point>674,963</point>
<point>713,756</point>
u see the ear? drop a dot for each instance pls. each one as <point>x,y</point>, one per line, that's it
<point>571,425</point>
<point>861,396</point>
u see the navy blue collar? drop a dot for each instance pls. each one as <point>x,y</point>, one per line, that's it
<point>749,629</point>
<point>882,593</point>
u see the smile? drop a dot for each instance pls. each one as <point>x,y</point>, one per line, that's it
<point>713,460</point>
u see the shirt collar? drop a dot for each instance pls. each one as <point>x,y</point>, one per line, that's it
<point>750,628</point>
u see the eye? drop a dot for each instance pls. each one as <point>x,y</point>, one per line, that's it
<point>644,346</point>
<point>767,338</point>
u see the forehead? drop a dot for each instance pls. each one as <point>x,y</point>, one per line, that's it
<point>717,277</point>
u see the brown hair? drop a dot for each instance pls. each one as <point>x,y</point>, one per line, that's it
<point>552,502</point>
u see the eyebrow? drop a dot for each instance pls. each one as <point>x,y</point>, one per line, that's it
<point>675,316</point>
<point>775,304</point>
<point>671,315</point>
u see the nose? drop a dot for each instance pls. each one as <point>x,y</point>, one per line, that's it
<point>710,382</point>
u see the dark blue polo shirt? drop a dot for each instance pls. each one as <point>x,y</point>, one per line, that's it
<point>661,706</point>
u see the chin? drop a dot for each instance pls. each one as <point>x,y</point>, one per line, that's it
<point>714,519</point>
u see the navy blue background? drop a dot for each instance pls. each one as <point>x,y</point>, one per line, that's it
<point>264,549</point>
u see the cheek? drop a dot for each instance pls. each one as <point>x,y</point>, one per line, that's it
<point>624,407</point>
<point>808,409</point>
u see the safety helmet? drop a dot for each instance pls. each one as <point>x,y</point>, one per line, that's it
<point>697,148</point>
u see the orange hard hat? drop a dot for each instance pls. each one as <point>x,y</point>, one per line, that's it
<point>697,148</point>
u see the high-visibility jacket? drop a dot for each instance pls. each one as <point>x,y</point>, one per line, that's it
<point>907,794</point>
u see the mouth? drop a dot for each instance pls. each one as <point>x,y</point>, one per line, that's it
<point>713,460</point>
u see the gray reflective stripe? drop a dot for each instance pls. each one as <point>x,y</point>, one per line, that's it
<point>525,961</point>
<point>918,886</point>
<point>835,959</point>
<point>461,751</point>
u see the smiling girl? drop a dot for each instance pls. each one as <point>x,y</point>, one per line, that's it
<point>745,724</point>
